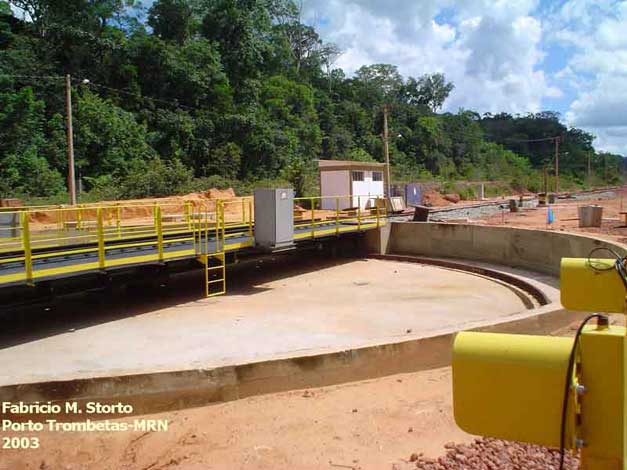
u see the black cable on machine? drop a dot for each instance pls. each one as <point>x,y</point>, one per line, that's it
<point>619,264</point>
<point>602,320</point>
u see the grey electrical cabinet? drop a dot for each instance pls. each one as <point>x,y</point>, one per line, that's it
<point>274,218</point>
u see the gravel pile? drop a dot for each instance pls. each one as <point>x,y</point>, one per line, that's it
<point>494,454</point>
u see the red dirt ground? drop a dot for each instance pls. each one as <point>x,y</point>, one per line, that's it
<point>566,219</point>
<point>376,424</point>
<point>373,424</point>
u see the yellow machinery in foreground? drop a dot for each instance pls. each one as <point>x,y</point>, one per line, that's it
<point>553,391</point>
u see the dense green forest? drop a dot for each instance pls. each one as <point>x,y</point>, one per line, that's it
<point>191,94</point>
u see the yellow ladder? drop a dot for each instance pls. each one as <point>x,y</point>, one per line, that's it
<point>215,276</point>
<point>215,273</point>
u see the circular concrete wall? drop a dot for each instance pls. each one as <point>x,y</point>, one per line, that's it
<point>536,250</point>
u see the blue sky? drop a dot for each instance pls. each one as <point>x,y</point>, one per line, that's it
<point>515,56</point>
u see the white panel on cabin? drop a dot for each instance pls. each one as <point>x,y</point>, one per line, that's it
<point>334,183</point>
<point>376,188</point>
<point>367,190</point>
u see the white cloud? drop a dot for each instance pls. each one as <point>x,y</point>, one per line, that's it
<point>491,50</point>
<point>598,68</point>
<point>601,110</point>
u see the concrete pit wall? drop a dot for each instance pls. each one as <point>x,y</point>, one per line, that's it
<point>528,249</point>
<point>535,250</point>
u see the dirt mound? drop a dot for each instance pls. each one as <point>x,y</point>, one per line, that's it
<point>434,199</point>
<point>142,210</point>
<point>212,193</point>
<point>453,197</point>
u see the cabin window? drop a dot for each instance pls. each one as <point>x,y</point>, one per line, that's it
<point>358,176</point>
<point>377,176</point>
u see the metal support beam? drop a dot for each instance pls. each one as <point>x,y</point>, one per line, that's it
<point>602,373</point>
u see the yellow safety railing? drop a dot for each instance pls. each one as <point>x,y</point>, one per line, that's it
<point>238,223</point>
<point>97,237</point>
<point>328,215</point>
<point>103,236</point>
<point>209,223</point>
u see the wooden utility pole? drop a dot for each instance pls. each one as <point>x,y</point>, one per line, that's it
<point>386,150</point>
<point>557,165</point>
<point>70,140</point>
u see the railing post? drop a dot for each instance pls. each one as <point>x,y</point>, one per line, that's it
<point>206,229</point>
<point>337,216</point>
<point>243,212</point>
<point>250,218</point>
<point>205,259</point>
<point>28,254</point>
<point>101,243</point>
<point>358,212</point>
<point>118,220</point>
<point>193,229</point>
<point>376,204</point>
<point>159,230</point>
<point>223,259</point>
<point>217,235</point>
<point>313,216</point>
<point>188,218</point>
<point>222,217</point>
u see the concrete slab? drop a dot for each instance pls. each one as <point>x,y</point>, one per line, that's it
<point>336,307</point>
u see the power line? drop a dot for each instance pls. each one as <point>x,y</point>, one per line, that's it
<point>90,83</point>
<point>34,77</point>
<point>545,139</point>
<point>134,95</point>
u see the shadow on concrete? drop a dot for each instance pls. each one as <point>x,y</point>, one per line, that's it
<point>73,312</point>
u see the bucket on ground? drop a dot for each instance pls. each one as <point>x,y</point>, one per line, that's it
<point>590,216</point>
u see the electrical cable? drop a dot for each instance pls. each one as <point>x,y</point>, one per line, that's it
<point>619,264</point>
<point>601,319</point>
<point>103,87</point>
<point>544,139</point>
<point>136,96</point>
<point>33,77</point>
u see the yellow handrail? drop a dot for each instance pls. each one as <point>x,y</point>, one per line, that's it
<point>359,213</point>
<point>337,216</point>
<point>250,218</point>
<point>221,215</point>
<point>28,255</point>
<point>159,230</point>
<point>101,242</point>
<point>118,221</point>
<point>99,230</point>
<point>188,218</point>
<point>313,218</point>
